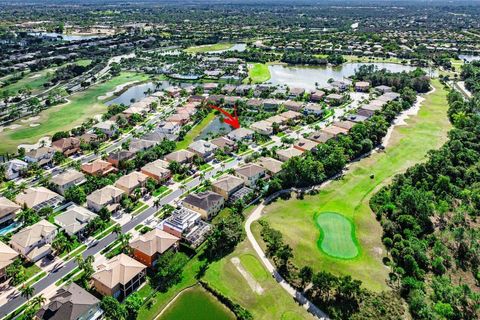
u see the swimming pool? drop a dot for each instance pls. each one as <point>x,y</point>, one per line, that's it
<point>11,227</point>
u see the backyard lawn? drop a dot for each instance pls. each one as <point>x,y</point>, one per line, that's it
<point>258,73</point>
<point>81,106</point>
<point>349,197</point>
<point>210,47</point>
<point>195,131</point>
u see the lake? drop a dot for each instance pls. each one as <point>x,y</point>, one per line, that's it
<point>198,304</point>
<point>307,76</point>
<point>65,37</point>
<point>138,92</point>
<point>468,57</point>
<point>236,47</point>
<point>216,127</point>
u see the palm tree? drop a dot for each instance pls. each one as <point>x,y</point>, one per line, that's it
<point>124,239</point>
<point>38,301</point>
<point>26,291</point>
<point>117,229</point>
<point>156,203</point>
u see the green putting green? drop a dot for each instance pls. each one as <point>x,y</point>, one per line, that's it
<point>337,235</point>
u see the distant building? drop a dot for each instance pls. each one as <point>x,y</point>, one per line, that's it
<point>14,169</point>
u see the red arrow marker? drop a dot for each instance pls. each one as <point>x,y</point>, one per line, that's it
<point>231,120</point>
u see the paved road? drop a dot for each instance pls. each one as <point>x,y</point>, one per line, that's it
<point>313,309</point>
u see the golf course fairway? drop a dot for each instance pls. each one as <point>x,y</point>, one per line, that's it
<point>349,197</point>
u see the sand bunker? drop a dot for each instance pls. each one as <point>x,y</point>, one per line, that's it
<point>45,141</point>
<point>252,283</point>
<point>10,127</point>
<point>30,119</point>
<point>116,90</point>
<point>34,124</point>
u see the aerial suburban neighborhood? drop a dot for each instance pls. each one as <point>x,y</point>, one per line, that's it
<point>239,160</point>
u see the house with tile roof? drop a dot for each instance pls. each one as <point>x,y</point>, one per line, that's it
<point>8,210</point>
<point>149,246</point>
<point>33,242</point>
<point>128,183</point>
<point>41,156</point>
<point>157,170</point>
<point>38,197</point>
<point>250,173</point>
<point>119,276</point>
<point>67,179</point>
<point>71,302</point>
<point>108,196</point>
<point>227,185</point>
<point>75,220</point>
<point>207,203</point>
<point>98,168</point>
<point>7,256</point>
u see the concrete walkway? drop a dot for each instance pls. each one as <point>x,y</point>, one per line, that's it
<point>314,310</point>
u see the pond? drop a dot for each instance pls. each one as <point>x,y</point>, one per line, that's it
<point>139,91</point>
<point>65,37</point>
<point>236,47</point>
<point>468,57</point>
<point>216,127</point>
<point>306,76</point>
<point>198,304</point>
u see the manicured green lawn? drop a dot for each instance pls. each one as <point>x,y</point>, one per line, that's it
<point>223,276</point>
<point>210,47</point>
<point>199,304</point>
<point>350,196</point>
<point>337,235</point>
<point>258,73</point>
<point>195,131</point>
<point>81,106</point>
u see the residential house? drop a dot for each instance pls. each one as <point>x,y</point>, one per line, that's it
<point>334,99</point>
<point>7,256</point>
<point>271,165</point>
<point>383,89</point>
<point>272,104</point>
<point>117,158</point>
<point>226,185</point>
<point>15,168</point>
<point>348,125</point>
<point>8,211</point>
<point>320,136</point>
<point>38,197</point>
<point>208,87</point>
<point>180,156</point>
<point>137,145</point>
<point>180,221</point>
<point>67,146</point>
<point>250,173</point>
<point>287,154</point>
<point>291,116</point>
<point>313,108</point>
<point>158,136</point>
<point>317,96</point>
<point>157,170</point>
<point>224,144</point>
<point>293,105</point>
<point>207,203</point>
<point>335,130</point>
<point>169,127</point>
<point>339,86</point>
<point>181,118</point>
<point>98,168</point>
<point>119,276</point>
<point>128,183</point>
<point>240,194</point>
<point>75,220</point>
<point>108,127</point>
<point>296,92</point>
<point>41,156</point>
<point>33,242</point>
<point>356,118</point>
<point>204,149</point>
<point>255,104</point>
<point>148,247</point>
<point>108,196</point>
<point>240,134</point>
<point>305,145</point>
<point>362,86</point>
<point>263,127</point>
<point>71,302</point>
<point>66,180</point>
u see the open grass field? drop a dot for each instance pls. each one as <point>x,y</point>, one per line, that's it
<point>81,106</point>
<point>350,195</point>
<point>210,47</point>
<point>273,303</point>
<point>372,59</point>
<point>337,235</point>
<point>195,131</point>
<point>258,73</point>
<point>199,303</point>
